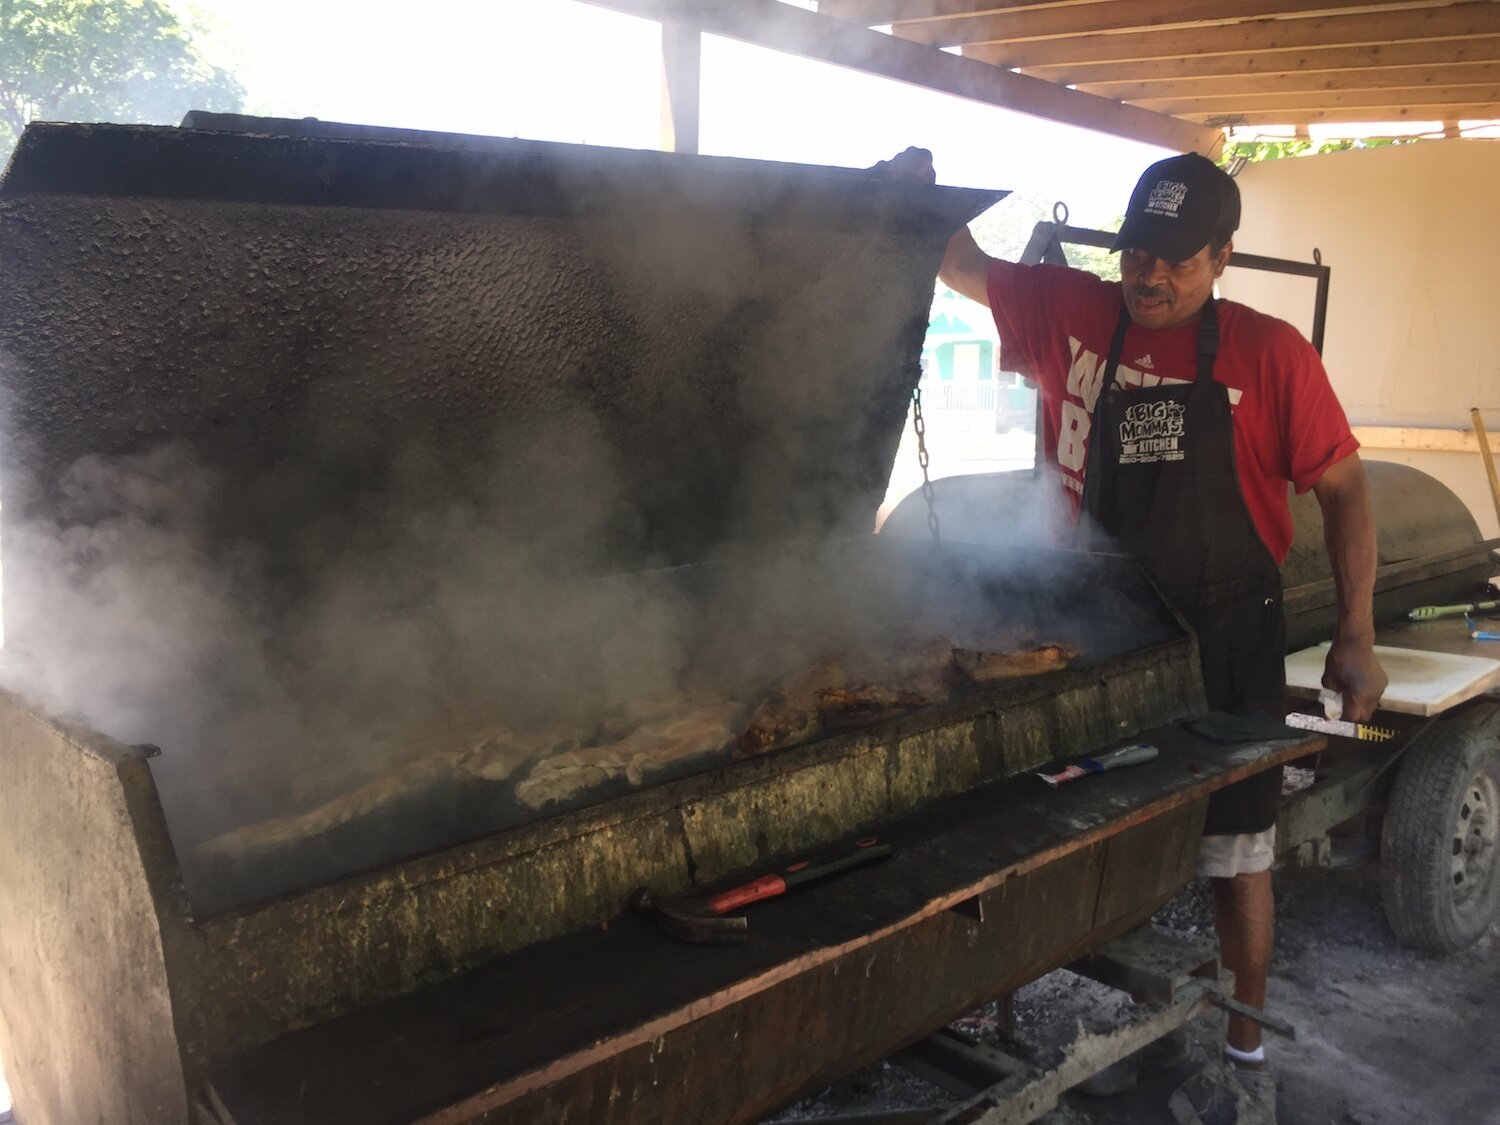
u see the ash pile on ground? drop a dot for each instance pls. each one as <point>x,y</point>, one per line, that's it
<point>1385,1035</point>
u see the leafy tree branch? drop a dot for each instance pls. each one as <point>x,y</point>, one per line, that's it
<point>101,60</point>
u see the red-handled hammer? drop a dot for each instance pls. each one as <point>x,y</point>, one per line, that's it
<point>708,921</point>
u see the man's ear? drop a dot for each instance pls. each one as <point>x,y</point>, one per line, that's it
<point>1223,258</point>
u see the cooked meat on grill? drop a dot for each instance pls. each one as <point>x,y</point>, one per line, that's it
<point>789,713</point>
<point>993,667</point>
<point>651,747</point>
<point>652,735</point>
<point>493,756</point>
<point>868,703</point>
<point>498,754</point>
<point>840,694</point>
<point>915,676</point>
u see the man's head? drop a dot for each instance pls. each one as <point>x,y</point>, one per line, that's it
<point>1175,240</point>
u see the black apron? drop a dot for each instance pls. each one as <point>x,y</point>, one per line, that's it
<point>1161,480</point>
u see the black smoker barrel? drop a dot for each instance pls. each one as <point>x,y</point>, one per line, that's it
<point>321,444</point>
<point>1428,546</point>
<point>1428,552</point>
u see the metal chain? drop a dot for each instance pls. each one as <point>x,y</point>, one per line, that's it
<point>919,424</point>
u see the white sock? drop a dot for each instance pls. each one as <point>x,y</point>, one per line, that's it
<point>1237,1055</point>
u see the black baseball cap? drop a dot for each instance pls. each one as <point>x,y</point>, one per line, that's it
<point>1178,207</point>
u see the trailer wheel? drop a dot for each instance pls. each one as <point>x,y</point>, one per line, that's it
<point>1440,845</point>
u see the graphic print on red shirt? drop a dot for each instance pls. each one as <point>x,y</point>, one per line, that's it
<point>1056,325</point>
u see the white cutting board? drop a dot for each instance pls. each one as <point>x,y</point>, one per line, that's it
<point>1422,683</point>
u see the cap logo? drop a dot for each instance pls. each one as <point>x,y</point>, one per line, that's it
<point>1166,198</point>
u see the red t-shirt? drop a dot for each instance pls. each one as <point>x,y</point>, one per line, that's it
<point>1056,325</point>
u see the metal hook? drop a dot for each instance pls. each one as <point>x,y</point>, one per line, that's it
<point>1060,213</point>
<point>1317,256</point>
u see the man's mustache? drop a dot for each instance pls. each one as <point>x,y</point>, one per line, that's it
<point>1150,293</point>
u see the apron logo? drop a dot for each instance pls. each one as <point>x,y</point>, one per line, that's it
<point>1152,431</point>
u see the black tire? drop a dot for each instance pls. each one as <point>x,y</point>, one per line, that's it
<point>1440,844</point>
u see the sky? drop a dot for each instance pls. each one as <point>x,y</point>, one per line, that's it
<point>567,71</point>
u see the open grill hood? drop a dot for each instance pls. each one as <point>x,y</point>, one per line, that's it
<point>732,342</point>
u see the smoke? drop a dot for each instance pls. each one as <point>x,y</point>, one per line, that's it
<point>419,619</point>
<point>437,469</point>
<point>429,613</point>
<point>113,607</point>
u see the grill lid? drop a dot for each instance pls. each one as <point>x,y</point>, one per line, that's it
<point>654,354</point>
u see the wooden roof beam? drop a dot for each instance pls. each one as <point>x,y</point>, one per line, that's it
<point>1433,102</point>
<point>682,66</point>
<point>1483,111</point>
<point>781,27</point>
<point>1457,21</point>
<point>1116,16</point>
<point>1443,52</point>
<point>879,13</point>
<point>1378,78</point>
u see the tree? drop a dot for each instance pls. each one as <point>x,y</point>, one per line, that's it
<point>101,60</point>
<point>1253,151</point>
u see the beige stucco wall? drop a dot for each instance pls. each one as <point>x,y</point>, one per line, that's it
<point>1412,236</point>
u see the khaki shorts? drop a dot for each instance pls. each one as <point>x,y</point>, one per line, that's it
<point>1224,857</point>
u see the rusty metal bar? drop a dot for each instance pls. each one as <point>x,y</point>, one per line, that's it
<point>1082,236</point>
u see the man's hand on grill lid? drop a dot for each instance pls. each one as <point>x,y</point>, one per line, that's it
<point>914,164</point>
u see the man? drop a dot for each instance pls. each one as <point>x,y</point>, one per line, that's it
<point>1175,420</point>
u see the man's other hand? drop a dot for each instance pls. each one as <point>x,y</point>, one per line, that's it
<point>912,164</point>
<point>1352,670</point>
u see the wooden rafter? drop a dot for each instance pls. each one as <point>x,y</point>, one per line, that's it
<point>682,62</point>
<point>1104,63</point>
<point>782,27</point>
<point>1114,16</point>
<point>1433,103</point>
<point>1486,111</point>
<point>1396,81</point>
<point>1454,22</point>
<point>873,13</point>
<point>1442,53</point>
